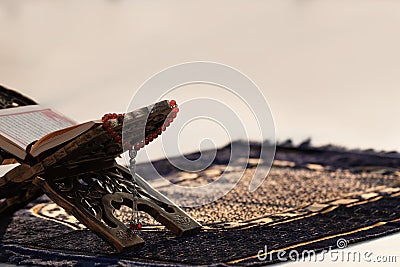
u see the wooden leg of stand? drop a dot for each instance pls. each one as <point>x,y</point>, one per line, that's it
<point>164,211</point>
<point>172,217</point>
<point>113,231</point>
<point>93,197</point>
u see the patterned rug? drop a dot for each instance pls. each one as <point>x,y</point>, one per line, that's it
<point>312,198</point>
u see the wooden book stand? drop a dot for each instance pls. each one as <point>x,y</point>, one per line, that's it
<point>83,177</point>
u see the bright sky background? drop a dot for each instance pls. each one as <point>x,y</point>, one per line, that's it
<point>329,69</point>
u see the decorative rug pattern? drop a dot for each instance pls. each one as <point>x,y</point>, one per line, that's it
<point>311,198</point>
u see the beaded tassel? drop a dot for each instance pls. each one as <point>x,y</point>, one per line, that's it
<point>135,223</point>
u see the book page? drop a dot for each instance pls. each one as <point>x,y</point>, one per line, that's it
<point>23,125</point>
<point>6,168</point>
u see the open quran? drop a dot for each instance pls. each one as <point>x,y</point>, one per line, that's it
<point>74,164</point>
<point>47,127</point>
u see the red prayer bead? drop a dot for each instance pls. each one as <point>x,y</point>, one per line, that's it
<point>172,103</point>
<point>133,225</point>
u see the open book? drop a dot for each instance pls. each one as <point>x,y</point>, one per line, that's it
<point>21,126</point>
